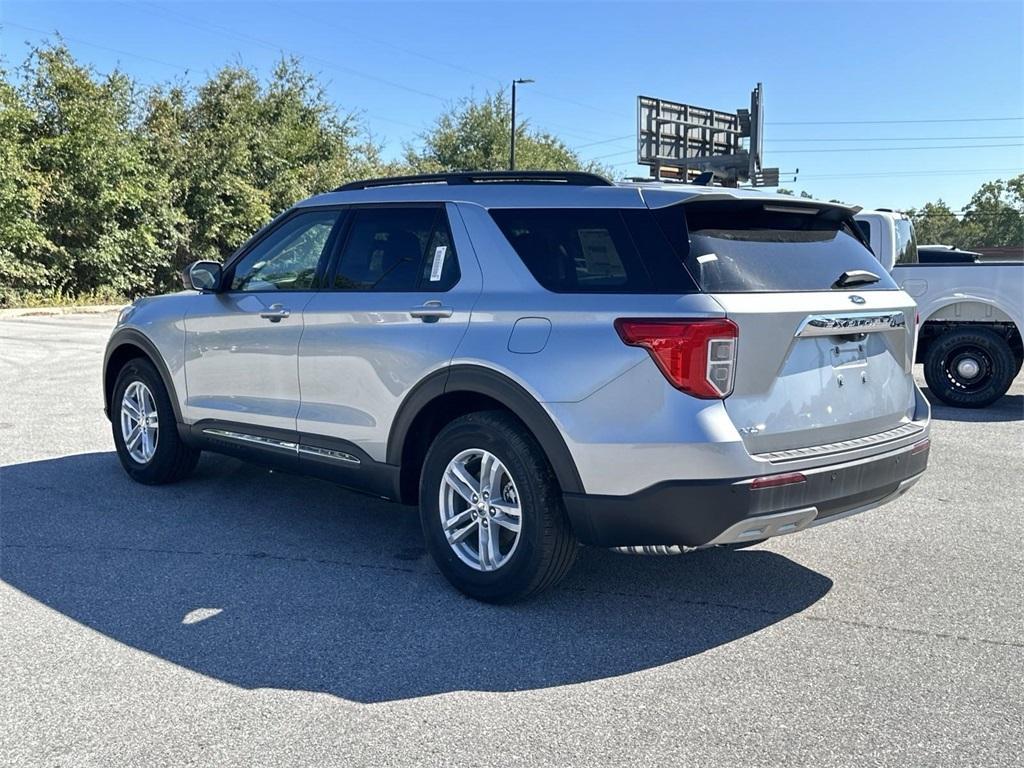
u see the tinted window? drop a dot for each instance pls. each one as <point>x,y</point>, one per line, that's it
<point>583,250</point>
<point>287,258</point>
<point>865,229</point>
<point>906,242</point>
<point>397,249</point>
<point>746,247</point>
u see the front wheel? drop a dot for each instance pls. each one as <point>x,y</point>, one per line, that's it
<point>491,509</point>
<point>145,430</point>
<point>969,367</point>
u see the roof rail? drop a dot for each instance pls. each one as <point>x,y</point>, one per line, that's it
<point>575,178</point>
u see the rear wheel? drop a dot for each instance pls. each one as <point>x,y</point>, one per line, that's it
<point>491,509</point>
<point>145,430</point>
<point>969,368</point>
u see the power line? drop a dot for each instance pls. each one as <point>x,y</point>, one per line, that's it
<point>894,122</point>
<point>886,174</point>
<point>221,29</point>
<point>180,67</point>
<point>853,149</point>
<point>95,45</point>
<point>902,138</point>
<point>892,149</point>
<point>821,139</point>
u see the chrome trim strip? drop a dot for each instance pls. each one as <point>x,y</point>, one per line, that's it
<point>890,435</point>
<point>285,445</point>
<point>327,453</point>
<point>268,442</point>
<point>766,526</point>
<point>847,323</point>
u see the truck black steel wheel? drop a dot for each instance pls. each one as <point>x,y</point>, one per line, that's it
<point>969,367</point>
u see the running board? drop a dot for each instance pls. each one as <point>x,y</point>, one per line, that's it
<point>283,445</point>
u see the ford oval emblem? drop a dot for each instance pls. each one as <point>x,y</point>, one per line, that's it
<point>857,299</point>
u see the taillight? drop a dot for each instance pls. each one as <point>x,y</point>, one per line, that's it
<point>696,356</point>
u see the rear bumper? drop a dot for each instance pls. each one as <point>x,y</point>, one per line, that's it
<point>704,513</point>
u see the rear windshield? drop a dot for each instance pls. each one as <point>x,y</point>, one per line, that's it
<point>595,250</point>
<point>753,247</point>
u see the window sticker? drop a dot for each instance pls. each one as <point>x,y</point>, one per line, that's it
<point>706,258</point>
<point>438,265</point>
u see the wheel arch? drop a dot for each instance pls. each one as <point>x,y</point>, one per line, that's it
<point>127,344</point>
<point>464,389</point>
<point>964,311</point>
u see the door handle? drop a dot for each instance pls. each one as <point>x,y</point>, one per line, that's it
<point>275,313</point>
<point>431,311</point>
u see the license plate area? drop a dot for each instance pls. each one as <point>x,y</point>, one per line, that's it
<point>849,354</point>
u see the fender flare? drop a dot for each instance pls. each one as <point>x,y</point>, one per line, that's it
<point>499,387</point>
<point>131,337</point>
<point>940,304</point>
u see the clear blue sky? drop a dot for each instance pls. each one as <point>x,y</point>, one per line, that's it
<point>822,64</point>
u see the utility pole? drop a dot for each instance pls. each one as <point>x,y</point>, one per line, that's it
<point>512,144</point>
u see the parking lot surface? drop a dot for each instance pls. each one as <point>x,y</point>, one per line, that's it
<point>245,617</point>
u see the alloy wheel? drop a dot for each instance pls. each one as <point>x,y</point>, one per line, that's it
<point>480,512</point>
<point>140,424</point>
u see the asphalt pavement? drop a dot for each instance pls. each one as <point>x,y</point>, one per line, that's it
<point>246,617</point>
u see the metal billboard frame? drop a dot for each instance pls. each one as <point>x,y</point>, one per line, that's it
<point>680,141</point>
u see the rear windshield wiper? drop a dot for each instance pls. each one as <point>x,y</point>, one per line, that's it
<point>855,277</point>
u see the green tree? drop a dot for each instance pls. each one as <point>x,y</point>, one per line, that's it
<point>474,136</point>
<point>241,152</point>
<point>936,223</point>
<point>92,193</point>
<point>995,215</point>
<point>23,242</point>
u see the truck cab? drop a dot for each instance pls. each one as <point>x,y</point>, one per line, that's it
<point>890,235</point>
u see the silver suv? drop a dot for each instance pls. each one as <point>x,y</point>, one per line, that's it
<point>540,359</point>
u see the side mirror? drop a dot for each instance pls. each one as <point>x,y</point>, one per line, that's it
<point>202,276</point>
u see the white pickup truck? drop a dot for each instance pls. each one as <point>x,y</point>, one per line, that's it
<point>970,315</point>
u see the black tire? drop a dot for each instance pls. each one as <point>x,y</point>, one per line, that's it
<point>982,345</point>
<point>546,548</point>
<point>173,460</point>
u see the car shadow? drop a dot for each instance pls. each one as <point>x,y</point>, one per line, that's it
<point>1006,408</point>
<point>262,579</point>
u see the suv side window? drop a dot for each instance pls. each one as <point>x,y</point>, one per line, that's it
<point>594,250</point>
<point>397,250</point>
<point>287,258</point>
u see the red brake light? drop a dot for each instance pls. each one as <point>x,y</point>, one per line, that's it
<point>696,356</point>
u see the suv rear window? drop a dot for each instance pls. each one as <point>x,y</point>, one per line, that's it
<point>594,250</point>
<point>754,246</point>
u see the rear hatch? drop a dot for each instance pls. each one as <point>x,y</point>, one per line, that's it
<point>824,349</point>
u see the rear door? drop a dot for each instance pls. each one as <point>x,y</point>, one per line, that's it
<point>821,358</point>
<point>394,307</point>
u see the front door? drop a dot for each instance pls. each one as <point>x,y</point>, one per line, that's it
<point>241,343</point>
<point>395,306</point>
